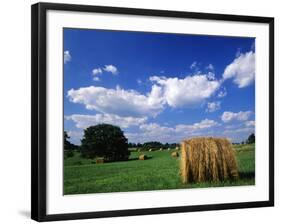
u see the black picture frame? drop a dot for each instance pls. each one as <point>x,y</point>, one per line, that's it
<point>39,122</point>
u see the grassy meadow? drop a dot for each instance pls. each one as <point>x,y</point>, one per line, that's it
<point>159,172</point>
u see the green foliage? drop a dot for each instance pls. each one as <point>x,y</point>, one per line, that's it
<point>159,172</point>
<point>251,139</point>
<point>151,145</point>
<point>132,145</point>
<point>67,144</point>
<point>105,141</point>
<point>68,153</point>
<point>157,145</point>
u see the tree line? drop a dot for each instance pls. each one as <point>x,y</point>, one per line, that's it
<point>152,145</point>
<point>108,141</point>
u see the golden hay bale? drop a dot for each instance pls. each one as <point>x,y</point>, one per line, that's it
<point>99,160</point>
<point>142,157</point>
<point>175,154</point>
<point>207,159</point>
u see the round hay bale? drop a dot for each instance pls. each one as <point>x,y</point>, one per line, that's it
<point>99,160</point>
<point>175,154</point>
<point>207,159</point>
<point>143,157</point>
<point>150,150</point>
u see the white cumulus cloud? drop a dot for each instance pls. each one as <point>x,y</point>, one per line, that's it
<point>241,70</point>
<point>97,71</point>
<point>139,81</point>
<point>84,121</point>
<point>204,124</point>
<point>111,68</point>
<point>154,127</point>
<point>187,92</point>
<point>239,130</point>
<point>119,101</point>
<point>194,65</point>
<point>222,93</point>
<point>174,92</point>
<point>75,135</point>
<point>96,78</point>
<point>66,57</point>
<point>210,67</point>
<point>211,76</point>
<point>250,123</point>
<point>213,106</point>
<point>157,132</point>
<point>228,116</point>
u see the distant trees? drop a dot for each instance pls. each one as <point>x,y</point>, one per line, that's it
<point>157,145</point>
<point>251,139</point>
<point>105,140</point>
<point>152,145</point>
<point>68,146</point>
<point>132,145</point>
<point>173,145</point>
<point>166,146</point>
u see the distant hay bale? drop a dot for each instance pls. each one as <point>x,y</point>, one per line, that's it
<point>160,149</point>
<point>207,159</point>
<point>142,157</point>
<point>150,150</point>
<point>99,160</point>
<point>177,148</point>
<point>175,154</point>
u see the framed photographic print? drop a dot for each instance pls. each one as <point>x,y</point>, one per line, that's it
<point>138,111</point>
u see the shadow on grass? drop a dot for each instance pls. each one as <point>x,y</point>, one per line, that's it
<point>137,158</point>
<point>131,159</point>
<point>247,175</point>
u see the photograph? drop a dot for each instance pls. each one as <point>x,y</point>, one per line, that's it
<point>146,111</point>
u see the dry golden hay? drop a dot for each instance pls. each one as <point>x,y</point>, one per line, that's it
<point>99,160</point>
<point>142,157</point>
<point>175,154</point>
<point>207,159</point>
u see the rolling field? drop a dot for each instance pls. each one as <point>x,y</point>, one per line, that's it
<point>159,172</point>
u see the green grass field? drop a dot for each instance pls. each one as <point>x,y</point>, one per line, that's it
<point>159,172</point>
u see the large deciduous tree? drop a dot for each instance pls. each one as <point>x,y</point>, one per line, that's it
<point>105,140</point>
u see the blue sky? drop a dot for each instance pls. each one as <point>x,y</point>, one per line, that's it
<point>161,87</point>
